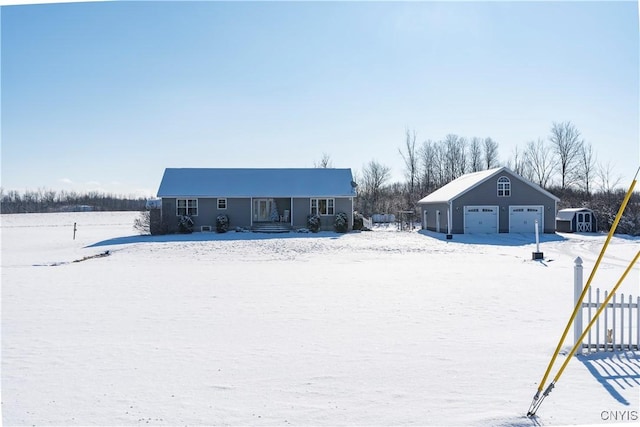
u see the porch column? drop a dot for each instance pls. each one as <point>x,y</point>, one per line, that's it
<point>251,210</point>
<point>291,212</point>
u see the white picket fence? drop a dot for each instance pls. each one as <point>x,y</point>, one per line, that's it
<point>618,326</point>
<point>367,223</point>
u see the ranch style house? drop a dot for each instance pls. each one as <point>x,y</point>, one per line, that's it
<point>490,201</point>
<point>255,198</point>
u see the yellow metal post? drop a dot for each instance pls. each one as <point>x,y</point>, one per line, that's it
<point>538,399</point>
<point>584,292</point>
<point>595,317</point>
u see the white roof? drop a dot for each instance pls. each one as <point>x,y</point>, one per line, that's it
<point>210,182</point>
<point>465,183</point>
<point>568,213</point>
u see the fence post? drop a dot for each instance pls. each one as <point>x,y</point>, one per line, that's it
<point>577,291</point>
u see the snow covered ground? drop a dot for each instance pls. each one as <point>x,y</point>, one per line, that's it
<point>368,328</point>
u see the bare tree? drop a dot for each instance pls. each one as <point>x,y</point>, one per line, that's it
<point>517,162</point>
<point>456,158</point>
<point>374,176</point>
<point>324,163</point>
<point>586,167</point>
<point>441,168</point>
<point>566,141</point>
<point>475,154</point>
<point>428,162</point>
<point>490,153</point>
<point>539,162</point>
<point>410,158</point>
<point>608,181</point>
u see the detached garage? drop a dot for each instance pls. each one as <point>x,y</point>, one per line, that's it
<point>491,201</point>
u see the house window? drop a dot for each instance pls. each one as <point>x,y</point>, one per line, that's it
<point>504,187</point>
<point>323,207</point>
<point>222,203</point>
<point>187,207</point>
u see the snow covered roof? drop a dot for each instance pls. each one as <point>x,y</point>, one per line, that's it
<point>211,182</point>
<point>568,213</point>
<point>467,182</point>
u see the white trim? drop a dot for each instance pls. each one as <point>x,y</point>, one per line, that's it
<point>187,199</point>
<point>503,184</point>
<point>317,199</point>
<point>255,215</point>
<point>254,196</point>
<point>485,176</point>
<point>226,203</point>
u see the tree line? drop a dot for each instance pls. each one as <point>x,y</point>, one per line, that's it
<point>563,163</point>
<point>45,200</point>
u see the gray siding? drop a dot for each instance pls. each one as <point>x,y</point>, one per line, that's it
<point>169,218</point>
<point>486,194</point>
<point>565,226</point>
<point>344,205</point>
<point>239,212</point>
<point>521,194</point>
<point>431,210</point>
<point>302,208</point>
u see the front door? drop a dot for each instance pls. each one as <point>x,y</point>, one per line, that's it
<point>262,209</point>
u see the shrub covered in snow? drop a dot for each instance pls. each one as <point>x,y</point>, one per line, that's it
<point>313,223</point>
<point>142,224</point>
<point>341,223</point>
<point>358,221</point>
<point>185,225</point>
<point>222,223</point>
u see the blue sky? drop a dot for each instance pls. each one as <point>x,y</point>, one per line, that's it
<point>104,96</point>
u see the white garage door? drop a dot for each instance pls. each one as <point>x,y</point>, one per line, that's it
<point>480,219</point>
<point>522,219</point>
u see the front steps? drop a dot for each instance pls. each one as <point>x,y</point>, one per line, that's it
<point>271,227</point>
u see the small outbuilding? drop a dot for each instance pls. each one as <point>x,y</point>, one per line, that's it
<point>571,220</point>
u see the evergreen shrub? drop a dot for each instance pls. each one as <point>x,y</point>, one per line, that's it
<point>222,223</point>
<point>313,223</point>
<point>341,223</point>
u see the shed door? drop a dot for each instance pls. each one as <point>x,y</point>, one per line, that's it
<point>522,219</point>
<point>583,222</point>
<point>480,219</point>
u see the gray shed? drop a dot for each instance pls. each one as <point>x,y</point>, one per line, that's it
<point>573,220</point>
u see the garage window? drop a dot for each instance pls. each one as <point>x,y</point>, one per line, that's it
<point>504,187</point>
